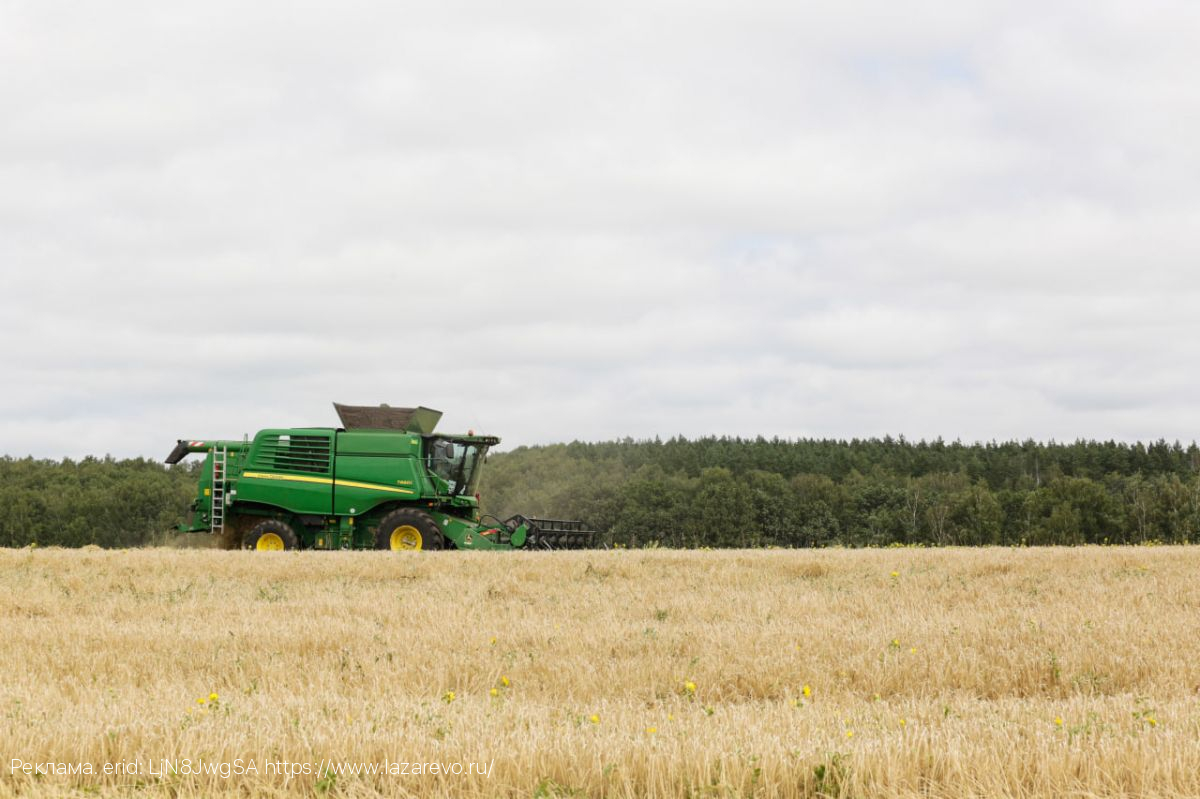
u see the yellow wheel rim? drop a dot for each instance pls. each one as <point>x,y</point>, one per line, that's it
<point>406,537</point>
<point>269,542</point>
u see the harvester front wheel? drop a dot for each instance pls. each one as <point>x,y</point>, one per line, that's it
<point>271,535</point>
<point>408,529</point>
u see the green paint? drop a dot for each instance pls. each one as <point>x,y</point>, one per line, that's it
<point>334,486</point>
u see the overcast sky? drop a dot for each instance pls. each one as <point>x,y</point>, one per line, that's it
<point>975,219</point>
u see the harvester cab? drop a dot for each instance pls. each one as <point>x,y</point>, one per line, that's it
<point>383,480</point>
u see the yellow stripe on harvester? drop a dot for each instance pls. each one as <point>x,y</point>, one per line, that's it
<point>373,487</point>
<point>296,478</point>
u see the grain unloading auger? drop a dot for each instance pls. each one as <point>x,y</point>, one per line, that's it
<point>383,480</point>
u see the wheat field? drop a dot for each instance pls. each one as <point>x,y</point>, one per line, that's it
<point>898,672</point>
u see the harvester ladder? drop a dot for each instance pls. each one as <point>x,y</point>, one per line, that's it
<point>218,490</point>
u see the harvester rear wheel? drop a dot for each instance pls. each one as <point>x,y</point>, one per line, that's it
<point>408,529</point>
<point>269,535</point>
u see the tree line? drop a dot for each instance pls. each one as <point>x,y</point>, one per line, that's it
<point>102,501</point>
<point>718,492</point>
<point>728,492</point>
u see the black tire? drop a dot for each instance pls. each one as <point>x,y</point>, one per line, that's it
<point>271,534</point>
<point>408,529</point>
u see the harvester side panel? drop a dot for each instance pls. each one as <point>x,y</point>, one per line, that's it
<point>364,482</point>
<point>291,469</point>
<point>376,467</point>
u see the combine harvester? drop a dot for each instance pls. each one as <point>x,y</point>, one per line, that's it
<point>384,480</point>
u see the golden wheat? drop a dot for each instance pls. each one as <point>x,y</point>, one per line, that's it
<point>933,673</point>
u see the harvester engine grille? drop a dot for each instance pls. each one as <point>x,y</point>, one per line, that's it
<point>296,453</point>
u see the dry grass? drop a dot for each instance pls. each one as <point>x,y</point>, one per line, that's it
<point>944,680</point>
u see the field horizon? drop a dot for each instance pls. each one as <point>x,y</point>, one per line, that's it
<point>620,673</point>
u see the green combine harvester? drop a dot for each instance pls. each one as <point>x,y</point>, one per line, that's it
<point>384,480</point>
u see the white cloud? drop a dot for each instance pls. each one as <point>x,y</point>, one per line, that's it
<point>596,220</point>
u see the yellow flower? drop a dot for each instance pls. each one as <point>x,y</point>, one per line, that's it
<point>1153,722</point>
<point>495,692</point>
<point>670,717</point>
<point>896,643</point>
<point>1058,721</point>
<point>448,697</point>
<point>895,574</point>
<point>504,681</point>
<point>595,719</point>
<point>652,730</point>
<point>913,650</point>
<point>200,701</point>
<point>849,733</point>
<point>690,687</point>
<point>212,697</point>
<point>806,691</point>
<point>903,723</point>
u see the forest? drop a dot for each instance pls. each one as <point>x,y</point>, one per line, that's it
<point>714,492</point>
<point>729,492</point>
